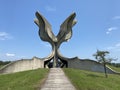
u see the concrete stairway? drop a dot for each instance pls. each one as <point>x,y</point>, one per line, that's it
<point>57,81</point>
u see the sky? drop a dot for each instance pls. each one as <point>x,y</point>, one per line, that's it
<point>98,27</point>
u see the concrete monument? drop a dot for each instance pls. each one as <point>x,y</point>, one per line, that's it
<point>47,35</point>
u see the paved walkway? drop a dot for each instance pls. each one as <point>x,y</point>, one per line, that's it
<point>57,81</point>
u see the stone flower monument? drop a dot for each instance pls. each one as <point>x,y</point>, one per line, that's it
<point>46,34</point>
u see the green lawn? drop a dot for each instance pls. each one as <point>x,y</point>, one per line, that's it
<point>86,80</point>
<point>26,80</point>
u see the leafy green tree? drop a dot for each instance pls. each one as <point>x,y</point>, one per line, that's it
<point>100,56</point>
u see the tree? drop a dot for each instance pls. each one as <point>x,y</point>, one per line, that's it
<point>100,56</point>
<point>4,62</point>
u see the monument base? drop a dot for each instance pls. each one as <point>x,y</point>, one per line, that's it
<point>35,63</point>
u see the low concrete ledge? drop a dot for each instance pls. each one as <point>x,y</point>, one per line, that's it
<point>90,65</point>
<point>35,63</point>
<point>22,65</point>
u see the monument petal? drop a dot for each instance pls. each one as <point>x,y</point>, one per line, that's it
<point>45,31</point>
<point>65,32</point>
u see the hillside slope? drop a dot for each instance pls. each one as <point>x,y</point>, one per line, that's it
<point>26,80</point>
<point>86,80</point>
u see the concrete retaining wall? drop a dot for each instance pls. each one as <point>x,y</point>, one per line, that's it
<point>89,65</point>
<point>35,63</point>
<point>22,65</point>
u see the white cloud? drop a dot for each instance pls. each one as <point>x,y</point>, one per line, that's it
<point>110,48</point>
<point>107,32</point>
<point>50,9</point>
<point>10,54</point>
<point>111,29</point>
<point>115,51</point>
<point>115,47</point>
<point>4,36</point>
<point>116,17</point>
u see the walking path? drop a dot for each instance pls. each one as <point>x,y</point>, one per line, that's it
<point>57,81</point>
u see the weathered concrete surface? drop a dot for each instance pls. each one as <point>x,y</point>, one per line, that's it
<point>22,65</point>
<point>57,81</point>
<point>35,63</point>
<point>89,65</point>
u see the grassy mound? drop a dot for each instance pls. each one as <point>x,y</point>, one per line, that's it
<point>86,80</point>
<point>26,80</point>
<point>114,68</point>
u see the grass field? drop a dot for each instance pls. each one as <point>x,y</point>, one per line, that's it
<point>82,80</point>
<point>86,80</point>
<point>114,68</point>
<point>27,80</point>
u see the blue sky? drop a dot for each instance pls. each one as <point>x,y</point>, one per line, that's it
<point>98,27</point>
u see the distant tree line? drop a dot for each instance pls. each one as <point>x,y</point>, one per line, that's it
<point>4,62</point>
<point>114,64</point>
